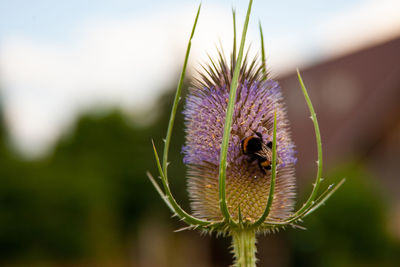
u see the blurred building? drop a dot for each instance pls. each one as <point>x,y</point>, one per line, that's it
<point>357,101</point>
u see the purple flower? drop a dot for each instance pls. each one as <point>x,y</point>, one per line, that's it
<point>247,185</point>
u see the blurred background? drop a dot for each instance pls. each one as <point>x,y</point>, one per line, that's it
<point>86,85</point>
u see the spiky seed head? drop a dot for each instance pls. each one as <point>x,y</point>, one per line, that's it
<point>247,186</point>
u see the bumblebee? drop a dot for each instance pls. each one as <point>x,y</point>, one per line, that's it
<point>254,147</point>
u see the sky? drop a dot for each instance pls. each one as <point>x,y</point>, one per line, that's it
<point>59,59</point>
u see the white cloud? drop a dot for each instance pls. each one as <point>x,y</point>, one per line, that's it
<point>121,62</point>
<point>369,23</point>
<point>127,62</point>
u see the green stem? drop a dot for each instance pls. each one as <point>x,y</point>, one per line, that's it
<point>244,248</point>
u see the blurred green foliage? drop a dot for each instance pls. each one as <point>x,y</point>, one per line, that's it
<point>87,199</point>
<point>351,229</point>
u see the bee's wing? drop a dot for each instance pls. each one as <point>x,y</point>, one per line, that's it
<point>266,153</point>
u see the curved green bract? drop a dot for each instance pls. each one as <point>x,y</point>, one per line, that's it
<point>311,204</point>
<point>264,62</point>
<point>273,178</point>
<point>234,38</point>
<point>177,98</point>
<point>167,196</point>
<point>172,202</point>
<point>228,122</point>
<point>317,182</point>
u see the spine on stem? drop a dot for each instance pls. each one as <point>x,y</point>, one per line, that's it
<point>244,248</point>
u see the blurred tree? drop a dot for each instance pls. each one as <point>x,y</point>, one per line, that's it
<point>87,198</point>
<point>351,230</point>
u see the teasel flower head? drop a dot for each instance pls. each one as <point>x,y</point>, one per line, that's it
<point>247,184</point>
<point>235,188</point>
